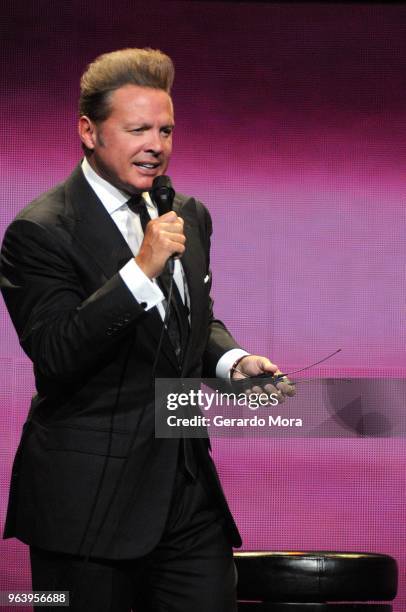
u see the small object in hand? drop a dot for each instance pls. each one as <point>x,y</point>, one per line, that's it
<point>260,380</point>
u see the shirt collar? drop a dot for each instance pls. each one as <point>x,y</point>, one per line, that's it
<point>111,197</point>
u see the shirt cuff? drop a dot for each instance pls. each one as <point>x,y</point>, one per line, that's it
<point>225,362</point>
<point>144,290</point>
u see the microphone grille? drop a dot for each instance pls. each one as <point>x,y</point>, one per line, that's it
<point>162,193</point>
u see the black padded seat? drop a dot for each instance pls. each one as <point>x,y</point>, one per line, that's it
<point>312,607</point>
<point>315,581</point>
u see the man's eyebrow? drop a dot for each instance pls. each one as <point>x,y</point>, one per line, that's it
<point>137,125</point>
<point>144,125</point>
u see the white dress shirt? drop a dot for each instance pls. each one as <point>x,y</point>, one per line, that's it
<point>141,286</point>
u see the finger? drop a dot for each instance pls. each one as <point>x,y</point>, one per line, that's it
<point>174,228</point>
<point>271,389</point>
<point>270,393</point>
<point>281,397</point>
<point>283,386</point>
<point>287,389</point>
<point>176,249</point>
<point>169,217</point>
<point>175,240</point>
<point>286,386</point>
<point>267,366</point>
<point>166,222</point>
<point>276,392</point>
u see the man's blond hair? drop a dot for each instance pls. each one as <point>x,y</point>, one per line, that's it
<point>143,67</point>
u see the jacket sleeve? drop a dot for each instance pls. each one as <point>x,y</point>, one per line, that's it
<point>61,329</point>
<point>219,339</point>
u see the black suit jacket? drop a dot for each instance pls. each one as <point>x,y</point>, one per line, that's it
<point>93,345</point>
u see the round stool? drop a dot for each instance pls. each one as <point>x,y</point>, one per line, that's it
<point>315,581</point>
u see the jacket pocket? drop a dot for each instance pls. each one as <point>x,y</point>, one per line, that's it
<point>89,441</point>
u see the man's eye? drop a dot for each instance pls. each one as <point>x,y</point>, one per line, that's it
<point>167,131</point>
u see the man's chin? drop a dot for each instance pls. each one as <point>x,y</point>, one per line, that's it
<point>138,186</point>
<point>144,182</point>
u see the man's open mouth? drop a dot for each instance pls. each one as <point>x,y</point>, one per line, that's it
<point>146,165</point>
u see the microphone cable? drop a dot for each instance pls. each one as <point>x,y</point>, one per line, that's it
<point>264,378</point>
<point>162,195</point>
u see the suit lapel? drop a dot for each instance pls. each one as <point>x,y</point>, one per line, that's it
<point>193,263</point>
<point>92,227</point>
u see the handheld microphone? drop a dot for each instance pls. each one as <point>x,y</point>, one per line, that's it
<point>162,194</point>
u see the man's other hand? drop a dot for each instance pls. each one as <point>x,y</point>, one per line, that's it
<point>254,365</point>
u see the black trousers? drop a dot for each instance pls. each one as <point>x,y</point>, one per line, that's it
<point>191,570</point>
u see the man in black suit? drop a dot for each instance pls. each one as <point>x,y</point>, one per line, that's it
<point>118,517</point>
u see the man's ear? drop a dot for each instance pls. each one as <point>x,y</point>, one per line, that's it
<point>87,132</point>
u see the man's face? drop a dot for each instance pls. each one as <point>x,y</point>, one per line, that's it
<point>133,145</point>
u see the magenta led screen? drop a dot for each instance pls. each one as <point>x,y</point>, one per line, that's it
<point>291,127</point>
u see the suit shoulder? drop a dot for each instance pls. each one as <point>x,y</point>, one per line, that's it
<point>38,221</point>
<point>196,213</point>
<point>45,209</point>
<point>182,200</point>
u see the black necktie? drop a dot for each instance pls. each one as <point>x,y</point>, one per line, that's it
<point>178,327</point>
<point>178,323</point>
<point>137,204</point>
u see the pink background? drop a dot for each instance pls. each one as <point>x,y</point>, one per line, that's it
<point>291,128</point>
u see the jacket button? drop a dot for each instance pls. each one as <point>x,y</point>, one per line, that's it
<point>143,305</point>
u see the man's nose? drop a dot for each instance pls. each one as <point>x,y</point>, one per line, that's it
<point>154,143</point>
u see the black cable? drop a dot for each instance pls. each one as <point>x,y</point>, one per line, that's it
<point>134,438</point>
<point>166,318</point>
<point>163,195</point>
<point>131,444</point>
<point>313,364</point>
<point>274,379</point>
<point>101,478</point>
